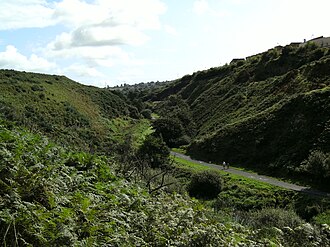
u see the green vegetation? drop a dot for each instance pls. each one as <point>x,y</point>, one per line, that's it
<point>239,194</point>
<point>318,164</point>
<point>205,185</point>
<point>175,123</point>
<point>52,197</point>
<point>154,151</point>
<point>66,111</point>
<point>267,112</point>
<point>83,166</point>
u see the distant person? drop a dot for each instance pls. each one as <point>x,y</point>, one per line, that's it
<point>227,165</point>
<point>224,165</point>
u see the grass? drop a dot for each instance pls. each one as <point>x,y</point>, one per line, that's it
<point>189,165</point>
<point>244,194</point>
<point>179,150</point>
<point>136,130</point>
<point>232,178</point>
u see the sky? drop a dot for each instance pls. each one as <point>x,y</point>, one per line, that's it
<point>111,42</point>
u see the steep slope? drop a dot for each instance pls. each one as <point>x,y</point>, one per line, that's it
<point>61,108</point>
<point>269,110</point>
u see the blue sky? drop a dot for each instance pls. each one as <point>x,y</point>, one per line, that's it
<point>110,42</point>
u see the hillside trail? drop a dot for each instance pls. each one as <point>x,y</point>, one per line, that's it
<point>255,176</point>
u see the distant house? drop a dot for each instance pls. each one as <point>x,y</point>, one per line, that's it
<point>237,60</point>
<point>295,44</point>
<point>320,41</point>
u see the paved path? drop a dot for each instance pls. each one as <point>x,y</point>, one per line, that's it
<point>256,176</point>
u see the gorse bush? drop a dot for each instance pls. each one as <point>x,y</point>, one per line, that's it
<point>206,185</point>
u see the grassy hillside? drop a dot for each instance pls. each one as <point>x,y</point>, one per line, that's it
<point>269,111</point>
<point>62,109</point>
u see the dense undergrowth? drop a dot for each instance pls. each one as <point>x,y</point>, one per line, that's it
<point>50,196</point>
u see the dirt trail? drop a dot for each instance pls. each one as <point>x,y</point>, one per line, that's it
<point>258,177</point>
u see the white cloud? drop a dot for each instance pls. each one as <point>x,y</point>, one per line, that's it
<point>98,35</point>
<point>12,59</point>
<point>76,13</point>
<point>171,30</point>
<point>15,14</point>
<point>106,22</point>
<point>95,34</point>
<point>82,70</point>
<point>142,14</point>
<point>101,30</point>
<point>201,7</point>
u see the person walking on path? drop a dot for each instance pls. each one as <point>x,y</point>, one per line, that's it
<point>224,165</point>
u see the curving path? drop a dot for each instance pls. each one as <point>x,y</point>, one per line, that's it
<point>258,177</point>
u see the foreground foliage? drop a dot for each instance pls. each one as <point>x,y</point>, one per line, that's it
<point>51,197</point>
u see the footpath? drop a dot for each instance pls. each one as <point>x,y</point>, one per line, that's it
<point>255,176</point>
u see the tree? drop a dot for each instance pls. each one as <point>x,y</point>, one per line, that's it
<point>170,129</point>
<point>154,151</point>
<point>154,165</point>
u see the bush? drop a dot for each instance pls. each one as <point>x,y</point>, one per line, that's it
<point>317,164</point>
<point>146,113</point>
<point>205,185</point>
<point>323,218</point>
<point>274,217</point>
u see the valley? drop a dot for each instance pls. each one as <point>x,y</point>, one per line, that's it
<point>87,166</point>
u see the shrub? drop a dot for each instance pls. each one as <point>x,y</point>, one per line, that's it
<point>274,217</point>
<point>323,218</point>
<point>317,164</point>
<point>146,113</point>
<point>205,185</point>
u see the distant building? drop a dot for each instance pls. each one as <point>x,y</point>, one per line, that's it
<point>295,44</point>
<point>320,41</point>
<point>237,60</point>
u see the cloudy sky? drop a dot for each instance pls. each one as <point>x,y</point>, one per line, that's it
<point>109,42</point>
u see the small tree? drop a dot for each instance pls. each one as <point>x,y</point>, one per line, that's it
<point>205,185</point>
<point>154,165</point>
<point>154,151</point>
